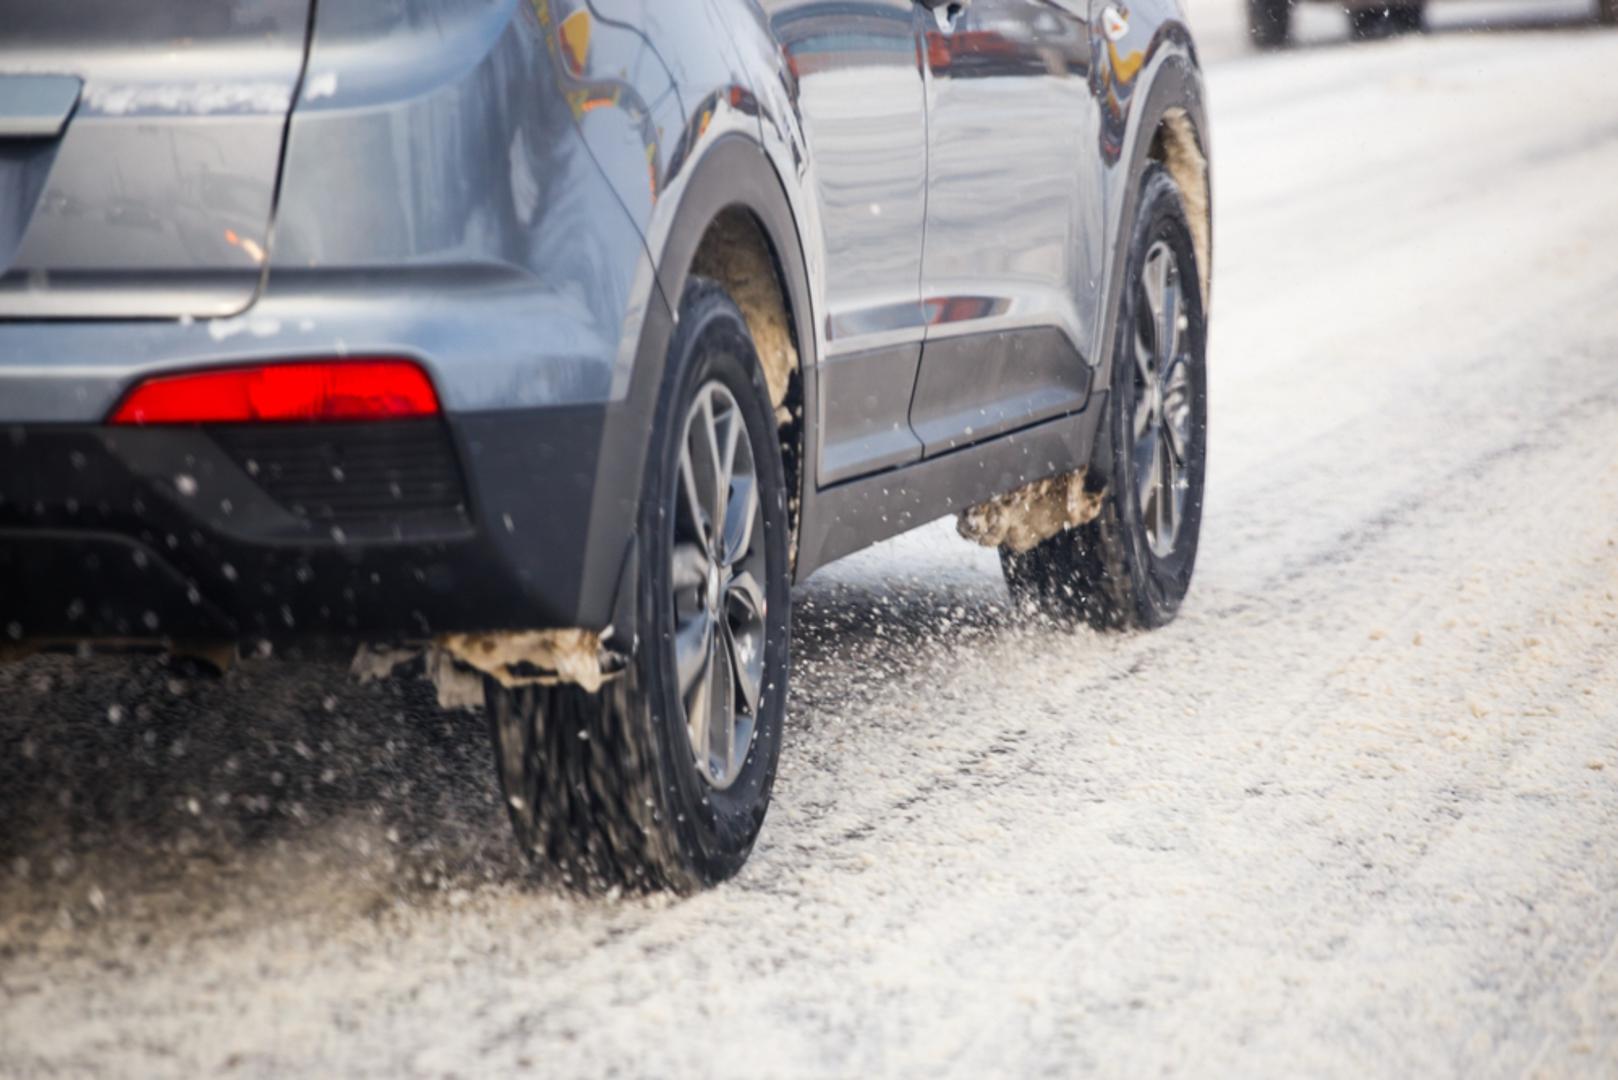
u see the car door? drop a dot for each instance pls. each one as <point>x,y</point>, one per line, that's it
<point>1011,270</point>
<point>855,76</point>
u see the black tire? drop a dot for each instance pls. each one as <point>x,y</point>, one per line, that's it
<point>1607,12</point>
<point>1106,572</point>
<point>1269,22</point>
<point>1369,23</point>
<point>605,787</point>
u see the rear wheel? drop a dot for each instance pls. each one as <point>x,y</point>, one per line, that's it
<point>1269,22</point>
<point>1131,566</point>
<point>662,778</point>
<point>1607,12</point>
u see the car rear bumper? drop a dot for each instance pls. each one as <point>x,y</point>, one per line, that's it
<point>513,511</point>
<point>374,531</point>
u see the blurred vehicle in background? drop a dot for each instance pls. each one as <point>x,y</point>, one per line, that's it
<point>1269,22</point>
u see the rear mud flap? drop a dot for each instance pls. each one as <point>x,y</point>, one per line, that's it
<point>1022,519</point>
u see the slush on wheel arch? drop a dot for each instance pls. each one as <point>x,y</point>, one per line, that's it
<point>663,777</point>
<point>1131,565</point>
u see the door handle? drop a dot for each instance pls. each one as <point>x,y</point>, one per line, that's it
<point>945,12</point>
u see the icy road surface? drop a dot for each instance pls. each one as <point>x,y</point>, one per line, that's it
<point>1356,812</point>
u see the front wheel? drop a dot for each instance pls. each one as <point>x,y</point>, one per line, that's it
<point>662,778</point>
<point>1131,565</point>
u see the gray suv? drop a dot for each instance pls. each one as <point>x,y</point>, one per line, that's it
<point>541,346</point>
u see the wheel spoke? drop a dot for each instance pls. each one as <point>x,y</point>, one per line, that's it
<point>719,493</point>
<point>1154,279</point>
<point>1168,319</point>
<point>747,664</point>
<point>744,636</point>
<point>1157,285</point>
<point>729,441</point>
<point>692,517</point>
<point>1143,413</point>
<point>740,522</point>
<point>1165,496</point>
<point>1176,441</point>
<point>699,464</point>
<point>1177,502</point>
<point>745,595</point>
<point>1177,410</point>
<point>699,715</point>
<point>693,648</point>
<point>721,742</point>
<point>1146,470</point>
<point>1144,334</point>
<point>690,567</point>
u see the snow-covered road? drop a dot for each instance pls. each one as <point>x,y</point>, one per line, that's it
<point>1355,812</point>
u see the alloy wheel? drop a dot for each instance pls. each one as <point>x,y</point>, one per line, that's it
<point>1162,402</point>
<point>718,566</point>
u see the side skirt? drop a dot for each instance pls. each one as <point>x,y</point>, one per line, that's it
<point>840,520</point>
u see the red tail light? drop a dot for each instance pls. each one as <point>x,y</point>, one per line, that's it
<point>304,391</point>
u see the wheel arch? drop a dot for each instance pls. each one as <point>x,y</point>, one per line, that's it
<point>1169,127</point>
<point>735,225</point>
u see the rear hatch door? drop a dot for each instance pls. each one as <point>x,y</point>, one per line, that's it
<point>140,148</point>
